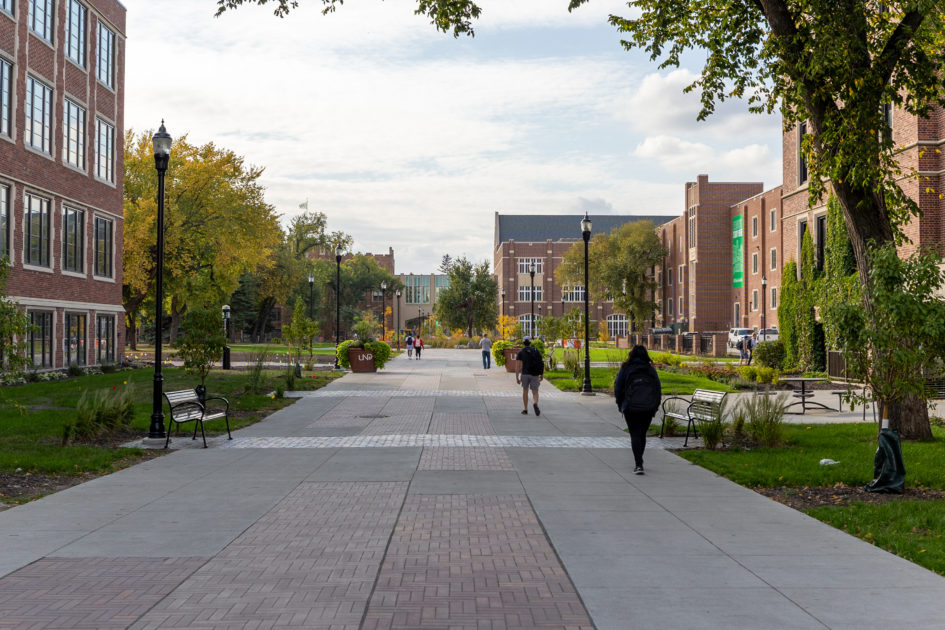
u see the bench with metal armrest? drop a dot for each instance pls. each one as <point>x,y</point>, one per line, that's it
<point>704,406</point>
<point>186,406</point>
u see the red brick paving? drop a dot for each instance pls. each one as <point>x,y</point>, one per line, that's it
<point>445,423</point>
<point>464,458</point>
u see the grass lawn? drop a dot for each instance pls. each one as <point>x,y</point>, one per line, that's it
<point>602,379</point>
<point>619,356</point>
<point>913,529</point>
<point>274,348</point>
<point>31,441</point>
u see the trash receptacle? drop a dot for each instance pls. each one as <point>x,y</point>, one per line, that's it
<point>889,473</point>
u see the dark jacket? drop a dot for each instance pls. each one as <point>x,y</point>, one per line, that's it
<point>536,366</point>
<point>627,372</point>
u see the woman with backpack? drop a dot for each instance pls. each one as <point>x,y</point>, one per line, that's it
<point>417,345</point>
<point>638,392</point>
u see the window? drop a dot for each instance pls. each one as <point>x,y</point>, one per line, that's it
<point>38,115</point>
<point>103,247</point>
<point>105,339</point>
<point>6,95</point>
<point>439,284</point>
<point>754,227</point>
<point>774,258</point>
<point>669,276</point>
<point>682,269</point>
<point>572,294</point>
<point>525,321</point>
<point>417,289</point>
<point>6,5</point>
<point>773,220</point>
<point>40,18</point>
<point>525,263</point>
<point>692,227</point>
<point>617,325</point>
<point>774,298</point>
<point>669,307</point>
<point>887,118</point>
<point>104,150</point>
<point>106,55</point>
<point>524,293</point>
<point>738,315</point>
<point>36,231</point>
<point>801,157</point>
<point>73,135</point>
<point>73,240</point>
<point>75,348</point>
<point>4,221</point>
<point>754,300</point>
<point>76,16</point>
<point>754,262</point>
<point>40,338</point>
<point>820,226</point>
<point>682,307</point>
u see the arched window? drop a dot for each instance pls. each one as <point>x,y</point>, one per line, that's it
<point>617,325</point>
<point>528,330</point>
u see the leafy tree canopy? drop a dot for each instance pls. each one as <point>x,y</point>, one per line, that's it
<point>470,301</point>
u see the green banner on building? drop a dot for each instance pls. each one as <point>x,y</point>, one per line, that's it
<point>738,262</point>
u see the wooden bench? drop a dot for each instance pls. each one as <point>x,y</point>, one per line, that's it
<point>705,405</point>
<point>185,406</point>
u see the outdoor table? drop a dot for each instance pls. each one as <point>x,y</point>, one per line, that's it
<point>804,394</point>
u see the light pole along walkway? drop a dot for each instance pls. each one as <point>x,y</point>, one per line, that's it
<point>420,498</point>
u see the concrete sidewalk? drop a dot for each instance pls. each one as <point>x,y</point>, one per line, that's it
<point>420,498</point>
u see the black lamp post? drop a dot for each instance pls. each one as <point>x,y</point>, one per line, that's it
<point>338,253</point>
<point>311,296</point>
<point>162,155</point>
<point>226,333</point>
<point>397,334</point>
<point>531,327</point>
<point>503,301</point>
<point>383,309</point>
<point>586,234</point>
<point>539,318</point>
<point>764,319</point>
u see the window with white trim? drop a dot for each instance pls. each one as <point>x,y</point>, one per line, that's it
<point>73,134</point>
<point>525,321</point>
<point>75,341</point>
<point>4,221</point>
<point>754,299</point>
<point>754,227</point>
<point>38,115</point>
<point>669,307</point>
<point>36,224</point>
<point>802,174</point>
<point>106,55</point>
<point>40,18</point>
<point>682,306</point>
<point>681,275</point>
<point>524,265</point>
<point>39,346</point>
<point>692,227</point>
<point>754,262</point>
<point>6,97</point>
<point>73,239</point>
<point>104,230</point>
<point>774,298</point>
<point>572,294</point>
<point>105,339</point>
<point>524,293</point>
<point>774,258</point>
<point>104,150</point>
<point>773,220</point>
<point>669,276</point>
<point>6,5</point>
<point>617,325</point>
<point>76,18</point>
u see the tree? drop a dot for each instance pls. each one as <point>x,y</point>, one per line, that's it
<point>445,263</point>
<point>506,326</point>
<point>620,268</point>
<point>470,300</point>
<point>360,275</point>
<point>217,225</point>
<point>14,330</point>
<point>301,332</point>
<point>202,340</point>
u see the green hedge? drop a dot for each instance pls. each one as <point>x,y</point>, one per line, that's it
<point>380,350</point>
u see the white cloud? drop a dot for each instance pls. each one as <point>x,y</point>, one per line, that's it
<point>754,162</point>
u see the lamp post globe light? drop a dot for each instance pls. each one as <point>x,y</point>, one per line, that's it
<point>226,334</point>
<point>764,319</point>
<point>531,327</point>
<point>383,309</point>
<point>161,142</point>
<point>397,334</point>
<point>311,296</point>
<point>586,235</point>
<point>339,251</point>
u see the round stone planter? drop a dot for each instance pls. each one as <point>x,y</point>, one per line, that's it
<point>510,362</point>
<point>361,359</point>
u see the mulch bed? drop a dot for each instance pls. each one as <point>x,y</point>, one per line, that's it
<point>842,495</point>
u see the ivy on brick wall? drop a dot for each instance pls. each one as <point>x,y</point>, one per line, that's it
<point>787,308</point>
<point>840,283</point>
<point>811,352</point>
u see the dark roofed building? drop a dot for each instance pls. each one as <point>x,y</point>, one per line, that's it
<point>522,240</point>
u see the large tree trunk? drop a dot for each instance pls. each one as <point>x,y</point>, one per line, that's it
<point>132,335</point>
<point>175,322</point>
<point>262,316</point>
<point>910,418</point>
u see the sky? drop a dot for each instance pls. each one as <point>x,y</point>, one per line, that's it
<point>408,138</point>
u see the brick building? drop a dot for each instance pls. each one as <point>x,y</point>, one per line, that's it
<point>756,281</point>
<point>61,165</point>
<point>417,299</point>
<point>522,240</point>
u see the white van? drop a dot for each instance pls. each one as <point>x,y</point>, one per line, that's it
<point>734,334</point>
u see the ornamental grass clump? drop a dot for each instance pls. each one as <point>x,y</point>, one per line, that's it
<point>765,416</point>
<point>104,413</point>
<point>713,429</point>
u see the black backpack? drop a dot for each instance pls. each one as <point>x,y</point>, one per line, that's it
<point>643,392</point>
<point>740,344</point>
<point>531,361</point>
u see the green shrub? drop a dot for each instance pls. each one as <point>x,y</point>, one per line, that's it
<point>290,378</point>
<point>75,370</point>
<point>108,368</point>
<point>770,354</point>
<point>381,352</point>
<point>766,375</point>
<point>257,361</point>
<point>498,351</point>
<point>573,363</point>
<point>765,419</point>
<point>105,412</point>
<point>540,345</point>
<point>342,352</point>
<point>748,372</point>
<point>280,390</point>
<point>666,358</point>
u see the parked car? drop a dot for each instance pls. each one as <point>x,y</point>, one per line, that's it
<point>768,334</point>
<point>734,334</point>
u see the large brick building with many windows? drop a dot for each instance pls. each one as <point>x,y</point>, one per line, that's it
<point>61,134</point>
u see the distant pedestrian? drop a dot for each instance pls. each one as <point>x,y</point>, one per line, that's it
<point>417,346</point>
<point>529,373</point>
<point>751,342</point>
<point>638,392</point>
<point>408,341</point>
<point>742,345</point>
<point>486,344</point>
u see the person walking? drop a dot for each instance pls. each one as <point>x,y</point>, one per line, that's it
<point>408,341</point>
<point>417,346</point>
<point>638,392</point>
<point>486,344</point>
<point>742,346</point>
<point>529,373</point>
<point>751,342</point>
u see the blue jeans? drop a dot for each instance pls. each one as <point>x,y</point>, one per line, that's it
<point>486,359</point>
